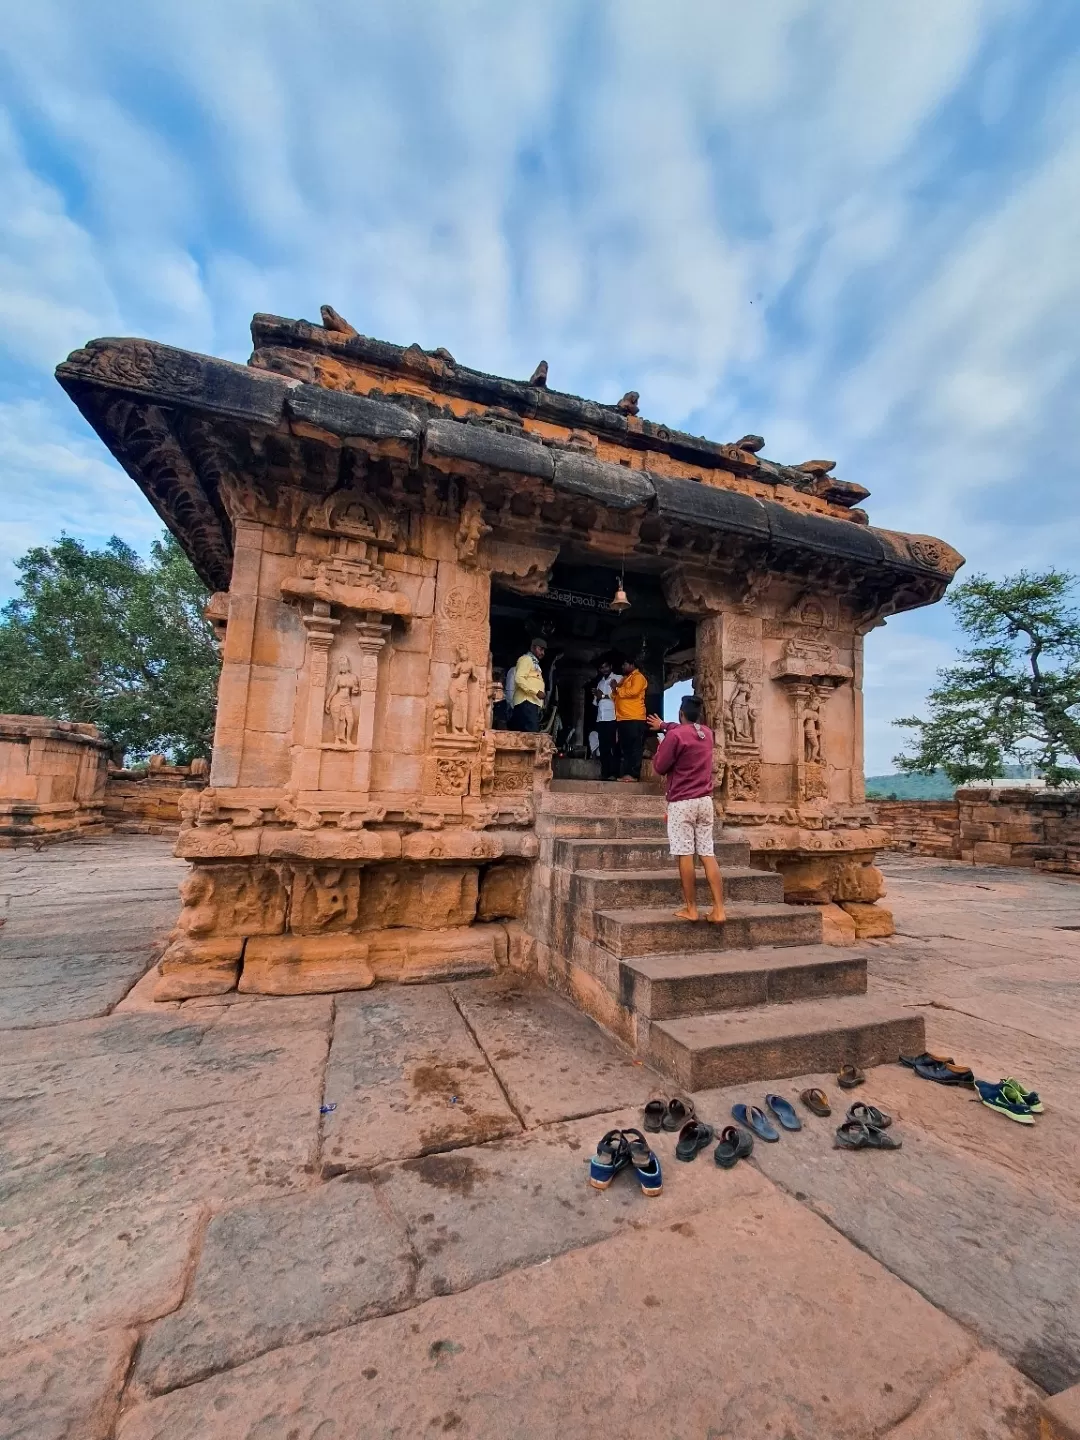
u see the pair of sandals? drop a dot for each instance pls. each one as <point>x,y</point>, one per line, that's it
<point>751,1118</point>
<point>619,1149</point>
<point>865,1128</point>
<point>941,1068</point>
<point>663,1112</point>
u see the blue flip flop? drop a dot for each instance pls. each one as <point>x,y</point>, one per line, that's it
<point>755,1120</point>
<point>784,1112</point>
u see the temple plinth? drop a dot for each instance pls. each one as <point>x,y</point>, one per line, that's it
<point>383,529</point>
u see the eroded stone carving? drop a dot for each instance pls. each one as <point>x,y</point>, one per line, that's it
<point>472,528</point>
<point>339,705</point>
<point>461,679</point>
<point>744,779</point>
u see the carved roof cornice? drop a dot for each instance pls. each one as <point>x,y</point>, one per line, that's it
<point>195,432</point>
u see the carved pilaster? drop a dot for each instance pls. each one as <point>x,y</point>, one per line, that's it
<point>320,627</point>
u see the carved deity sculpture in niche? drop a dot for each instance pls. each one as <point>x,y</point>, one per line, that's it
<point>472,527</point>
<point>812,736</point>
<point>440,719</point>
<point>457,695</point>
<point>339,703</point>
<point>740,717</point>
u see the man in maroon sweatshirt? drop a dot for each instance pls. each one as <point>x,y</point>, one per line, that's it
<point>685,756</point>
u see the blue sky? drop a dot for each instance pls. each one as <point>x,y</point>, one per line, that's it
<point>851,227</point>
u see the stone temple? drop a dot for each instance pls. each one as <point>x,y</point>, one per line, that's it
<point>384,529</point>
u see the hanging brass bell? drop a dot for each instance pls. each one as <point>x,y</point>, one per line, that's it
<point>620,602</point>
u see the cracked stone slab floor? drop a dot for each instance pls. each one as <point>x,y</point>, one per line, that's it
<point>190,1248</point>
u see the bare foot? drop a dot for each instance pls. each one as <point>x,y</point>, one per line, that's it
<point>717,917</point>
<point>687,913</point>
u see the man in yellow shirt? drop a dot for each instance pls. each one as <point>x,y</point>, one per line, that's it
<point>629,696</point>
<point>527,688</point>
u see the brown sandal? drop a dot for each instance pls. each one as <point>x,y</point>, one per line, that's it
<point>680,1110</point>
<point>849,1077</point>
<point>816,1101</point>
<point>653,1115</point>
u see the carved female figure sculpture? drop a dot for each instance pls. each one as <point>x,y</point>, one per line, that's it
<point>812,736</point>
<point>339,706</point>
<point>741,714</point>
<point>457,694</point>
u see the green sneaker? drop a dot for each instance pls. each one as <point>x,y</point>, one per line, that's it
<point>1013,1090</point>
<point>995,1098</point>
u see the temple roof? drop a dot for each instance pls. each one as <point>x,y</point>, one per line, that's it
<point>321,410</point>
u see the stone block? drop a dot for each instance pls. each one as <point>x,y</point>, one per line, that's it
<point>199,967</point>
<point>324,898</point>
<point>837,926</point>
<point>271,699</point>
<point>504,890</point>
<point>408,673</point>
<point>390,772</point>
<point>990,852</point>
<point>420,897</point>
<point>1060,1419</point>
<point>872,922</point>
<point>306,964</point>
<point>265,761</point>
<point>415,956</point>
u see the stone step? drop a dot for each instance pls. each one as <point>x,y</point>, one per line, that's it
<point>612,801</point>
<point>771,1042</point>
<point>666,987</point>
<point>614,889</point>
<point>635,853</point>
<point>650,931</point>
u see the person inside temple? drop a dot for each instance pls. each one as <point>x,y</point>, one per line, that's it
<point>629,696</point>
<point>527,688</point>
<point>605,722</point>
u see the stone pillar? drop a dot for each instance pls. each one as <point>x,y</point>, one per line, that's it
<point>307,759</point>
<point>372,634</point>
<point>235,679</point>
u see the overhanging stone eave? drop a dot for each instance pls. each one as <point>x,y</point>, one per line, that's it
<point>131,390</point>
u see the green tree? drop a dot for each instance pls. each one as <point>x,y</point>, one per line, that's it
<point>1015,695</point>
<point>101,636</point>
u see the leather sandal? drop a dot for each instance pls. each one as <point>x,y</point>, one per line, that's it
<point>655,1110</point>
<point>693,1137</point>
<point>735,1145</point>
<point>679,1111</point>
<point>849,1076</point>
<point>816,1101</point>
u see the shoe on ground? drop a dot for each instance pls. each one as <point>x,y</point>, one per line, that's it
<point>646,1165</point>
<point>1013,1090</point>
<point>612,1155</point>
<point>994,1098</point>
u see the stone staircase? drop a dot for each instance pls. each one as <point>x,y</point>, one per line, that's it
<point>755,998</point>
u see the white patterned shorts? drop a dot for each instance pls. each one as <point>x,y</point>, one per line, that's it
<point>690,826</point>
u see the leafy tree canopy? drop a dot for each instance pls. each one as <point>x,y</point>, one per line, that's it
<point>1015,695</point>
<point>101,636</point>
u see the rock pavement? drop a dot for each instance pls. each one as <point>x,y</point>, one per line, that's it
<point>190,1248</point>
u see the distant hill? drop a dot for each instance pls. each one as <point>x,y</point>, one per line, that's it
<point>910,787</point>
<point>937,786</point>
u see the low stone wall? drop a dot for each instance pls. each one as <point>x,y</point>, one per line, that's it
<point>147,802</point>
<point>52,779</point>
<point>1023,827</point>
<point>922,827</point>
<point>1036,828</point>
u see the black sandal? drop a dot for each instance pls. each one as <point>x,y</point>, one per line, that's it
<point>735,1145</point>
<point>849,1077</point>
<point>693,1137</point>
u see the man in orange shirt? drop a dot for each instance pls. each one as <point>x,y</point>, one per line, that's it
<point>629,696</point>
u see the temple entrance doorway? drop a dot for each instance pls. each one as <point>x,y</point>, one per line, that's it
<point>575,618</point>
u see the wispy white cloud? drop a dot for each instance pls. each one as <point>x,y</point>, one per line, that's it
<point>849,226</point>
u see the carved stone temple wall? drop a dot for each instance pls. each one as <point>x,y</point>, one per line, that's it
<point>352,504</point>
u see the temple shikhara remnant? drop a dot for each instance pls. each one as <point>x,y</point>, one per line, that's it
<point>384,530</point>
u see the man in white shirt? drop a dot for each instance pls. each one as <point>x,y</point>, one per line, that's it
<point>605,723</point>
